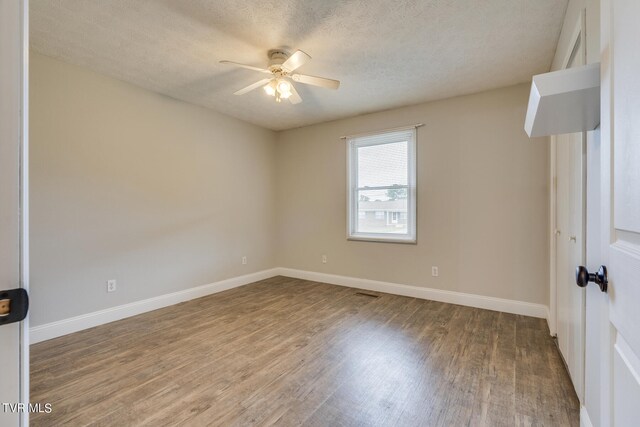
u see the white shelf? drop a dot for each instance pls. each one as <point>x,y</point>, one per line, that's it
<point>564,101</point>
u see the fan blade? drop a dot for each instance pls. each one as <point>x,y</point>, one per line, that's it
<point>252,87</point>
<point>248,67</point>
<point>295,96</point>
<point>298,59</point>
<point>316,81</point>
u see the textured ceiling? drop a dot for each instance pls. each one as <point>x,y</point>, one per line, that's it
<point>385,53</point>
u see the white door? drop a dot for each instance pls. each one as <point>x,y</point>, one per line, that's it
<point>619,345</point>
<point>624,222</point>
<point>569,239</point>
<point>14,348</point>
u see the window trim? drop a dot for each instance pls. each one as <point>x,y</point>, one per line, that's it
<point>355,142</point>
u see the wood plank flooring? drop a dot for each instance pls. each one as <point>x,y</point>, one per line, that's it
<point>292,352</point>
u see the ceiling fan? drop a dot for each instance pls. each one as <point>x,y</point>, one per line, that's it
<point>281,67</point>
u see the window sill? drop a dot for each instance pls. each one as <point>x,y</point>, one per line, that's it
<point>382,240</point>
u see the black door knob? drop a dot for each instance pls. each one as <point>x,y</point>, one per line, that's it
<point>583,277</point>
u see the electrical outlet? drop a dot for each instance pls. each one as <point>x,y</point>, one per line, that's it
<point>244,260</point>
<point>324,259</point>
<point>434,271</point>
<point>111,285</point>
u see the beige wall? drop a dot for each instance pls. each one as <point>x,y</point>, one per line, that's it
<point>138,187</point>
<point>163,196</point>
<point>482,199</point>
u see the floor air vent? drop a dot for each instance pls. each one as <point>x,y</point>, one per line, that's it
<point>364,294</point>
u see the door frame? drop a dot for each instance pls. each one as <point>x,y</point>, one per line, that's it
<point>578,35</point>
<point>578,38</point>
<point>24,211</point>
<point>14,65</point>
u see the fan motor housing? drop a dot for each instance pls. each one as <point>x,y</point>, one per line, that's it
<point>277,58</point>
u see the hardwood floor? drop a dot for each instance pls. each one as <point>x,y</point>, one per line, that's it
<point>292,352</point>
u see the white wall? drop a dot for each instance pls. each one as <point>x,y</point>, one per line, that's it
<point>482,199</point>
<point>134,186</point>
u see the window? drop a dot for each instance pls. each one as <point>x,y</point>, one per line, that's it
<point>382,182</point>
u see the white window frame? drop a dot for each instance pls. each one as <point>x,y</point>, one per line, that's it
<point>385,137</point>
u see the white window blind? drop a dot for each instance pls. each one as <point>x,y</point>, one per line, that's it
<point>382,186</point>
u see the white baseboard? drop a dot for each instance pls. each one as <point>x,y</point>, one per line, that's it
<point>470,300</point>
<point>552,332</point>
<point>585,421</point>
<point>89,320</point>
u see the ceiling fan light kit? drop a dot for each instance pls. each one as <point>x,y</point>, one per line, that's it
<point>279,88</point>
<point>281,67</point>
